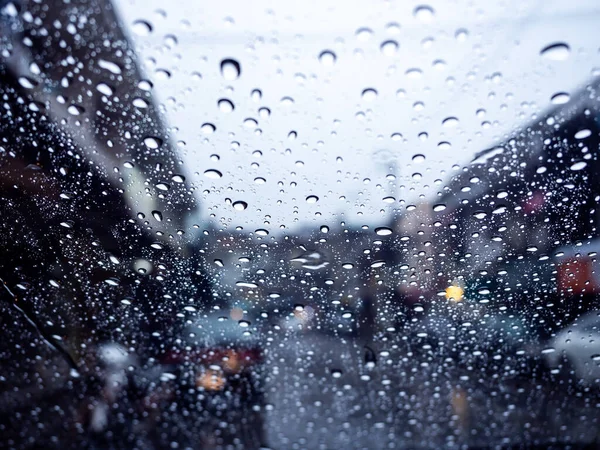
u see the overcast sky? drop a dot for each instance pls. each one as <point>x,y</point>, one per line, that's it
<point>479,62</point>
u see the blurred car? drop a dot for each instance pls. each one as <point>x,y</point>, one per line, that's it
<point>576,349</point>
<point>217,371</point>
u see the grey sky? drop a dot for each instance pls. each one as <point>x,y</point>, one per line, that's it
<point>344,142</point>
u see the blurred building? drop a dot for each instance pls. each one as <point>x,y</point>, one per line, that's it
<point>509,211</point>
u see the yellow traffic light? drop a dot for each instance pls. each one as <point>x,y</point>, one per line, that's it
<point>454,293</point>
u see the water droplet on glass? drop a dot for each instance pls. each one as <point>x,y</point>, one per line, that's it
<point>418,159</point>
<point>383,231</point>
<point>369,94</point>
<point>578,165</point>
<point>582,134</point>
<point>75,110</point>
<point>219,263</point>
<point>178,178</point>
<point>264,113</point>
<point>389,48</point>
<point>414,73</point>
<point>225,105</point>
<point>162,74</point>
<point>377,264</point>
<point>312,199</point>
<point>256,95</point>
<point>439,207</point>
<point>27,83</point>
<point>105,89</point>
<point>393,28</point>
<point>558,51</point>
<point>213,174</point>
<point>348,266</point>
<point>450,122</point>
<point>261,232</point>
<point>287,101</point>
<point>560,98</point>
<point>324,229</point>
<point>335,373</point>
<point>208,128</point>
<point>444,145</point>
<point>110,66</point>
<point>141,28</point>
<point>461,35</point>
<point>327,58</point>
<point>157,216</point>
<point>364,34</point>
<point>163,186</point>
<point>152,142</point>
<point>230,69</point>
<point>240,205</point>
<point>424,13</point>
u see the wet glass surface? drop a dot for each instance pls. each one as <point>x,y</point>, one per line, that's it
<point>299,225</point>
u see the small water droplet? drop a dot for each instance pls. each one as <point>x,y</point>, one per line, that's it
<point>312,199</point>
<point>225,105</point>
<point>213,174</point>
<point>418,158</point>
<point>152,142</point>
<point>110,66</point>
<point>162,186</point>
<point>578,166</point>
<point>264,113</point>
<point>461,35</point>
<point>141,28</point>
<point>178,178</point>
<point>439,207</point>
<point>240,205</point>
<point>256,95</point>
<point>27,83</point>
<point>327,58</point>
<point>105,89</point>
<point>389,48</point>
<point>369,94</point>
<point>560,98</point>
<point>75,110</point>
<point>208,128</point>
<point>230,69</point>
<point>324,229</point>
<point>383,231</point>
<point>364,34</point>
<point>582,134</point>
<point>558,51</point>
<point>250,123</point>
<point>450,122</point>
<point>261,232</point>
<point>424,13</point>
<point>157,216</point>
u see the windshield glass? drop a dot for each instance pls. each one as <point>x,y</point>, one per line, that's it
<point>299,225</point>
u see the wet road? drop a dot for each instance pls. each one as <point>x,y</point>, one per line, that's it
<point>322,394</point>
<point>326,392</point>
